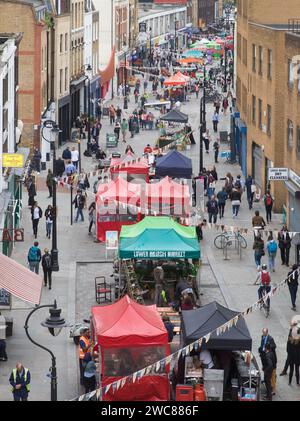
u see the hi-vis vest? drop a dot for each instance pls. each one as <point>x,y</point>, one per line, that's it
<point>27,386</point>
<point>86,344</point>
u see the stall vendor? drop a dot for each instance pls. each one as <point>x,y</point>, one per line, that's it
<point>206,359</point>
<point>162,297</point>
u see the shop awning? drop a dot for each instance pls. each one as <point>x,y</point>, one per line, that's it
<point>20,281</point>
<point>108,73</point>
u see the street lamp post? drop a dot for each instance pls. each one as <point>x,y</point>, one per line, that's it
<point>202,119</point>
<point>88,77</point>
<point>54,130</point>
<point>176,44</point>
<point>125,105</point>
<point>54,323</point>
<point>225,72</point>
<point>150,42</point>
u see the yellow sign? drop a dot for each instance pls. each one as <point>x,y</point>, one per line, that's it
<point>13,160</point>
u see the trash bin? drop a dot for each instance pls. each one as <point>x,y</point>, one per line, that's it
<point>9,326</point>
<point>47,156</point>
<point>43,166</point>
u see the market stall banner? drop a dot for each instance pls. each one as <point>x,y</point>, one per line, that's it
<point>193,346</point>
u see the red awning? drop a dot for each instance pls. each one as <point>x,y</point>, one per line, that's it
<point>108,73</point>
<point>20,281</point>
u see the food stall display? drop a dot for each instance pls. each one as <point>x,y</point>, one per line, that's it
<point>172,130</point>
<point>226,348</point>
<point>131,337</point>
<point>131,166</point>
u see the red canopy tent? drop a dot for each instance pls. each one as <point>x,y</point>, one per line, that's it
<point>111,215</point>
<point>134,167</point>
<point>131,337</point>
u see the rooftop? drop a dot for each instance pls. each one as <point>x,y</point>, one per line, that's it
<point>274,26</point>
<point>159,9</point>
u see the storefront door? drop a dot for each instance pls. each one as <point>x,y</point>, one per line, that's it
<point>294,213</point>
<point>257,164</point>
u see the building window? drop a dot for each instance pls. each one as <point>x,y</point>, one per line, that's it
<point>253,57</point>
<point>239,46</point>
<point>61,43</point>
<point>66,42</point>
<point>290,133</point>
<point>260,114</point>
<point>245,47</point>
<point>66,79</point>
<point>60,81</point>
<point>253,109</point>
<point>291,74</point>
<point>270,61</point>
<point>269,119</point>
<point>298,139</point>
<point>261,58</point>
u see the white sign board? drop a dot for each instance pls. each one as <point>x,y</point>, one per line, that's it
<point>278,174</point>
<point>112,240</point>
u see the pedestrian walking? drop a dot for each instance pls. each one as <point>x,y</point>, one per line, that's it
<point>169,326</point>
<point>66,155</point>
<point>49,215</point>
<point>20,382</point>
<point>225,105</point>
<point>36,214</point>
<point>124,128</point>
<point>212,209</point>
<point>293,285</point>
<point>217,106</point>
<point>49,182</point>
<point>250,194</point>
<point>112,114</point>
<point>92,215</point>
<point>272,251</point>
<point>293,351</point>
<point>284,243</point>
<point>259,249</point>
<point>258,221</point>
<point>136,96</point>
<point>59,167</point>
<point>36,160</point>
<point>118,113</point>
<point>211,185</point>
<point>228,183</point>
<point>268,371</point>
<point>79,203</point>
<point>31,191</point>
<point>268,344</point>
<point>216,147</point>
<point>70,168</point>
<point>117,129</point>
<point>34,257</point>
<point>197,90</point>
<point>75,157</point>
<point>268,201</point>
<point>3,354</point>
<point>47,268</point>
<point>287,361</point>
<point>235,197</point>
<point>215,120</point>
<point>222,196</point>
<point>206,140</point>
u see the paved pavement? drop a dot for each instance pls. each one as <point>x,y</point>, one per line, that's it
<point>228,282</point>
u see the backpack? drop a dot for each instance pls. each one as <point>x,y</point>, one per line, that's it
<point>81,200</point>
<point>269,201</point>
<point>272,247</point>
<point>48,261</point>
<point>33,254</point>
<point>265,278</point>
<point>237,184</point>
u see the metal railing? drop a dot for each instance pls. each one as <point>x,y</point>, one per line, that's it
<point>294,26</point>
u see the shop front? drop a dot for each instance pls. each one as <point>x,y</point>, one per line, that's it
<point>77,98</point>
<point>239,141</point>
<point>293,207</point>
<point>257,164</point>
<point>64,119</point>
<point>95,94</point>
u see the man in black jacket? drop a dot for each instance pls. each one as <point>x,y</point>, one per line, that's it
<point>59,167</point>
<point>284,241</point>
<point>66,155</point>
<point>268,370</point>
<point>266,339</point>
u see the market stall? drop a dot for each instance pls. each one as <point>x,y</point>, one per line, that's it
<point>135,168</point>
<point>225,348</point>
<point>131,337</point>
<point>172,130</point>
<point>174,165</point>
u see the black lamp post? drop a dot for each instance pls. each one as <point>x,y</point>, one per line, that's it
<point>125,105</point>
<point>225,71</point>
<point>232,70</point>
<point>176,44</point>
<point>88,78</point>
<point>54,130</point>
<point>54,323</point>
<point>202,119</point>
<point>150,42</point>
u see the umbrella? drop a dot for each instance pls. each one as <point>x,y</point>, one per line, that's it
<point>193,53</point>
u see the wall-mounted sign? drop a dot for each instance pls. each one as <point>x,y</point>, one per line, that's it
<point>142,27</point>
<point>16,235</point>
<point>12,160</point>
<point>278,174</point>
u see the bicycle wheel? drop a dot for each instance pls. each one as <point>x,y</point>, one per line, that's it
<point>243,242</point>
<point>220,241</point>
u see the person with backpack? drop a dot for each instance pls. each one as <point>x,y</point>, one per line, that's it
<point>222,196</point>
<point>272,251</point>
<point>49,215</point>
<point>216,147</point>
<point>268,201</point>
<point>212,209</point>
<point>235,197</point>
<point>79,203</point>
<point>211,185</point>
<point>47,268</point>
<point>264,279</point>
<point>34,257</point>
<point>36,215</point>
<point>259,249</point>
<point>238,184</point>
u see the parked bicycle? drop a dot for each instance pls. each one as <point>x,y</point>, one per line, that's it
<point>222,240</point>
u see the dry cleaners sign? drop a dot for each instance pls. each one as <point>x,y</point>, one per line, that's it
<point>278,174</point>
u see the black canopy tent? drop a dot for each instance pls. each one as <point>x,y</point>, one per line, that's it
<point>175,165</point>
<point>196,324</point>
<point>175,116</point>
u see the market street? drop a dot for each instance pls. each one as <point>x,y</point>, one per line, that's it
<point>229,282</point>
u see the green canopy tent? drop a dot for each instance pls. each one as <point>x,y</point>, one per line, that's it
<point>158,238</point>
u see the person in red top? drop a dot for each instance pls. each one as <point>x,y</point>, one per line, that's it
<point>148,149</point>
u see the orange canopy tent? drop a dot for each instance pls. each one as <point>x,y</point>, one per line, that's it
<point>176,80</point>
<point>190,60</point>
<point>168,191</point>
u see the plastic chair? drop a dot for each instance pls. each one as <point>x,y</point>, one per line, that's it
<point>103,291</point>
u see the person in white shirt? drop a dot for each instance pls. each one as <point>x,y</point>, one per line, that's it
<point>206,359</point>
<point>75,157</point>
<point>36,214</point>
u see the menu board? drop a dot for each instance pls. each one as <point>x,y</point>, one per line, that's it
<point>5,299</point>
